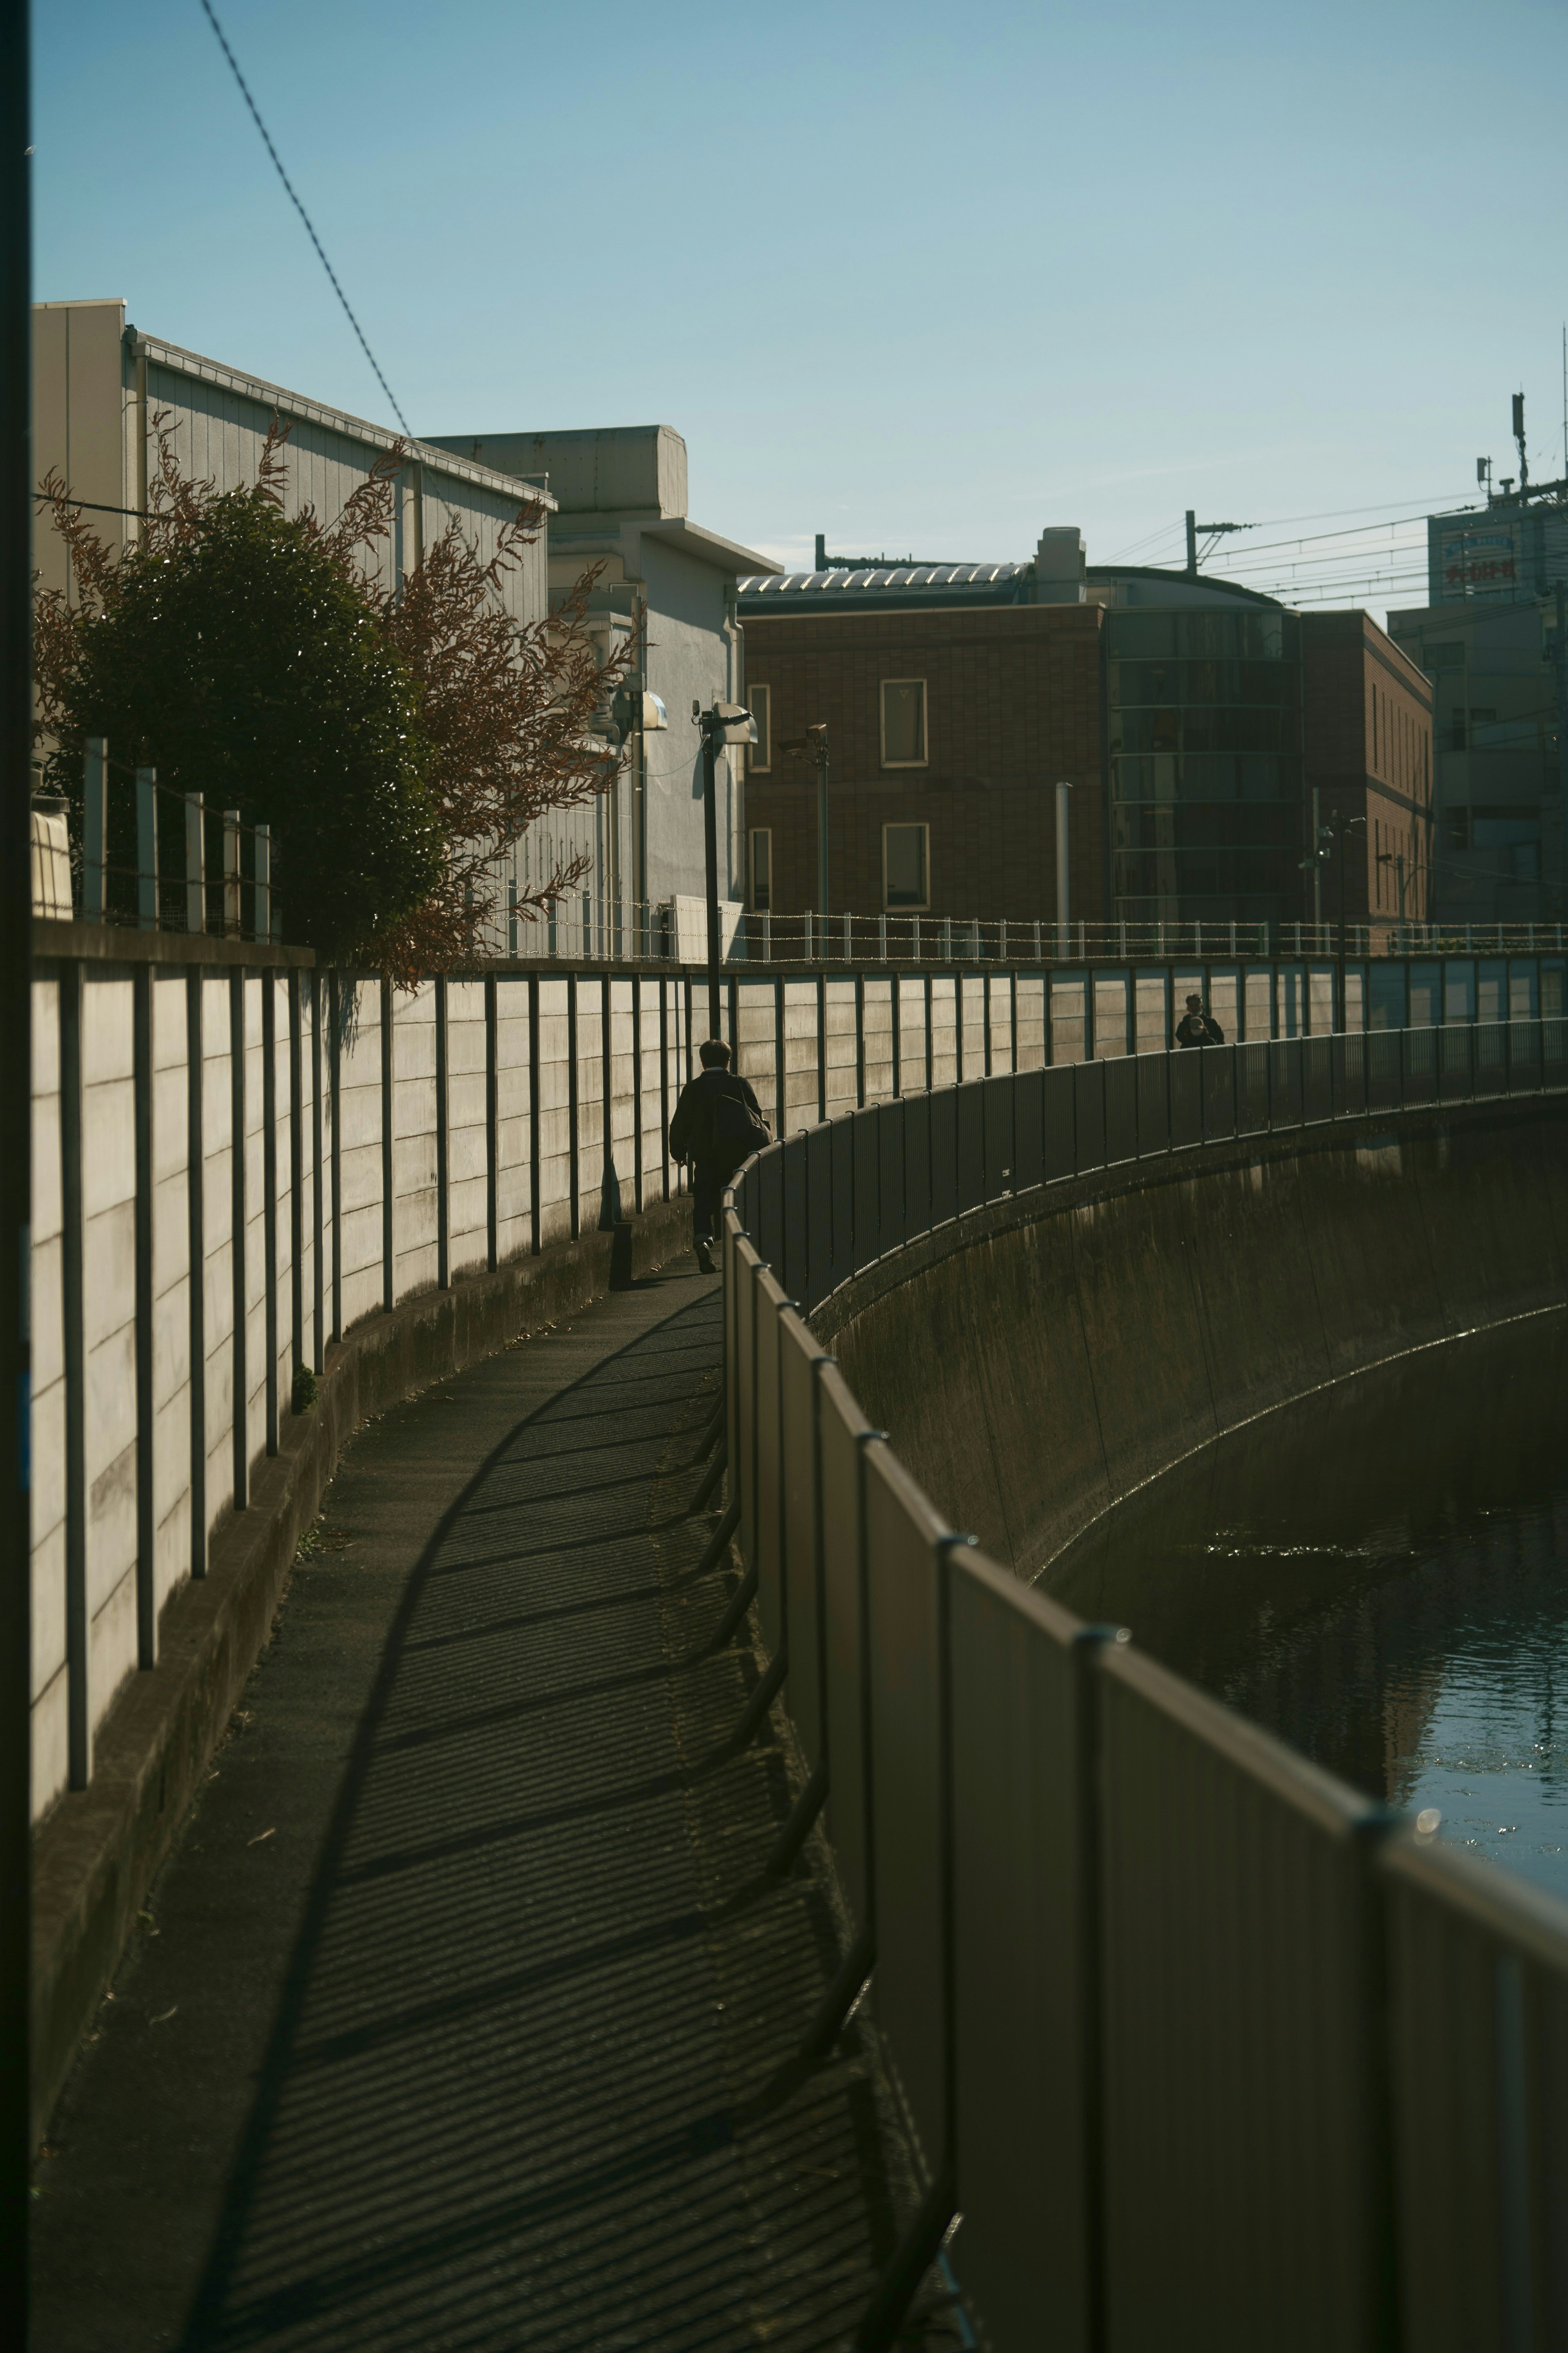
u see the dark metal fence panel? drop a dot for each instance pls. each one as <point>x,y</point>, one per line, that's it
<point>1252,1088</point>
<point>908,1743</point>
<point>1554,1053</point>
<point>1018,1990</point>
<point>1479,2047</point>
<point>890,1219</point>
<point>841,1144</point>
<point>1240,2124</point>
<point>1349,1075</point>
<point>1317,1078</point>
<point>769,1297</point>
<point>1028,1130</point>
<point>1187,1096</point>
<point>996,1100</point>
<point>1492,1057</point>
<point>818,1144</point>
<point>793,1258</point>
<point>943,1154</point>
<point>866,1140</point>
<point>841,1429</point>
<point>1088,1114</point>
<point>1121,1108</point>
<point>1454,1044</point>
<point>747,1265</point>
<point>1383,1069</point>
<point>1285,1082</point>
<point>1524,1057</point>
<point>917,1166</point>
<point>767,1232</point>
<point>1419,1083</point>
<point>970,1144</point>
<point>1217,1071</point>
<point>1058,1122</point>
<point>1153,1104</point>
<point>798,1352</point>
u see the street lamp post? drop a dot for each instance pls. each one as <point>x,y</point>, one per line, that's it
<point>1336,832</point>
<point>725,723</point>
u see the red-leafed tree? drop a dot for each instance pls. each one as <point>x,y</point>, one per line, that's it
<point>398,741</point>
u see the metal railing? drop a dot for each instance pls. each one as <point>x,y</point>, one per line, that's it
<point>1206,2047</point>
<point>762,937</point>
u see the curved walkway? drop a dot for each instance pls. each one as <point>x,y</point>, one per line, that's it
<point>465,2010</point>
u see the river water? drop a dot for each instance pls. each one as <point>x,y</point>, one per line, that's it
<point>1380,1574</point>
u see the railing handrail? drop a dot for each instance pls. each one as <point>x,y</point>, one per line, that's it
<point>876,1613</point>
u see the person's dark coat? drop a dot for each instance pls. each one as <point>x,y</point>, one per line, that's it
<point>705,1135</point>
<point>1199,1030</point>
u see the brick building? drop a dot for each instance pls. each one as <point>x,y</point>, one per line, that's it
<point>948,732</point>
<point>1192,718</point>
<point>1367,740</point>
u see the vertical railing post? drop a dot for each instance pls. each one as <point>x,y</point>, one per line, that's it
<point>241,1417</point>
<point>78,1719</point>
<point>262,905</point>
<point>195,865</point>
<point>95,828</point>
<point>664,1081</point>
<point>493,1121</point>
<point>143,1093</point>
<point>636,1092</point>
<point>388,1233</point>
<point>535,1211</point>
<point>318,1237</point>
<point>232,909</point>
<point>269,1196</point>
<point>573,1091</point>
<point>147,850</point>
<point>295,1180</point>
<point>443,1147</point>
<point>335,1113</point>
<point>195,1227</point>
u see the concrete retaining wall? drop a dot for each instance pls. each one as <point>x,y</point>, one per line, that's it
<point>1041,1359</point>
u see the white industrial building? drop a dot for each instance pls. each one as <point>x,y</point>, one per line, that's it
<point>619,502</point>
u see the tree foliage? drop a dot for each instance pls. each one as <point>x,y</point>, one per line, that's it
<point>398,740</point>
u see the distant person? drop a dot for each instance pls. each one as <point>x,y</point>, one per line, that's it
<point>717,1124</point>
<point>1199,1028</point>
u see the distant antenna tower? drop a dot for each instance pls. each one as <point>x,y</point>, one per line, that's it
<point>1519,436</point>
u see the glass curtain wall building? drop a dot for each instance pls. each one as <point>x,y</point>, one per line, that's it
<point>1204,744</point>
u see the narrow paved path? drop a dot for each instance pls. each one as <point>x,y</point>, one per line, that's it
<point>464,2010</point>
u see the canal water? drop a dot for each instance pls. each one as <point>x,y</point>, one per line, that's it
<point>1380,1574</point>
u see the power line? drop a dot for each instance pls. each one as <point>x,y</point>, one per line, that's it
<point>304,216</point>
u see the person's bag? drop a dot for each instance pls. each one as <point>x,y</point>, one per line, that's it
<point>734,1131</point>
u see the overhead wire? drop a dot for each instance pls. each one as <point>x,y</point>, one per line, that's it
<point>304,216</point>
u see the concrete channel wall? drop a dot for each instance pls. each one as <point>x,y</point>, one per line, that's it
<point>1037,1364</point>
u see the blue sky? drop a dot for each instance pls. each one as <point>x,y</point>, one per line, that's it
<point>923,278</point>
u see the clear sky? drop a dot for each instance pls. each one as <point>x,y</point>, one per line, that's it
<point>922,277</point>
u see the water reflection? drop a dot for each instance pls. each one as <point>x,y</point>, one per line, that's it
<point>1380,1574</point>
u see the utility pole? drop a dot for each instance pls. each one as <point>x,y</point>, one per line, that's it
<point>725,723</point>
<point>1561,669</point>
<point>1197,531</point>
<point>15,1155</point>
<point>1338,830</point>
<point>1519,436</point>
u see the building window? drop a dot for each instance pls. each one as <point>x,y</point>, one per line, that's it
<point>903,723</point>
<point>1456,828</point>
<point>762,867</point>
<point>760,757</point>
<point>904,877</point>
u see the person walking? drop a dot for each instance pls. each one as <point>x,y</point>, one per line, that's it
<point>717,1124</point>
<point>1199,1028</point>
